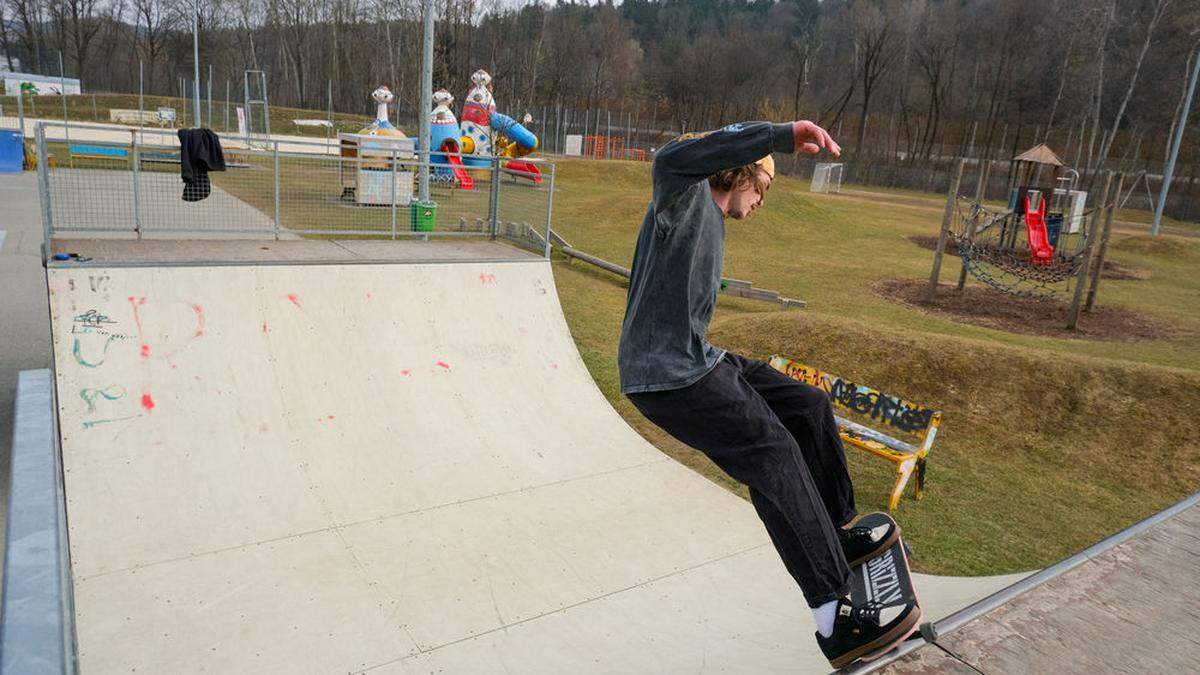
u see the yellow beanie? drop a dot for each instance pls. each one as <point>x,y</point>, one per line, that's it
<point>768,165</point>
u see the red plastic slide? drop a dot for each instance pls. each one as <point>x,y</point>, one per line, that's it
<point>460,173</point>
<point>1035,226</point>
<point>531,171</point>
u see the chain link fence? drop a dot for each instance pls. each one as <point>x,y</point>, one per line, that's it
<point>1141,192</point>
<point>109,185</point>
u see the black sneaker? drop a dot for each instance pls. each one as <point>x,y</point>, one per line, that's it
<point>861,544</point>
<point>867,632</point>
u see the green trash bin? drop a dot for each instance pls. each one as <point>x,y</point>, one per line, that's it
<point>424,216</point>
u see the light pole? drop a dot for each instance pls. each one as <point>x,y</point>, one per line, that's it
<point>196,62</point>
<point>426,101</point>
<point>1170,172</point>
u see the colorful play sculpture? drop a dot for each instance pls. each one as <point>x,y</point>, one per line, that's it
<point>514,140</point>
<point>366,159</point>
<point>444,134</point>
<point>476,132</point>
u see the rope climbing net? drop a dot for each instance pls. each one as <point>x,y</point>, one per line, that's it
<point>994,248</point>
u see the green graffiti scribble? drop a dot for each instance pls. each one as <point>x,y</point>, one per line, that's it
<point>79,357</point>
<point>89,425</point>
<point>90,396</point>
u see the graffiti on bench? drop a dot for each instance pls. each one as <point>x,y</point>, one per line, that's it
<point>890,411</point>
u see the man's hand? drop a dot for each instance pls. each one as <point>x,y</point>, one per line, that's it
<point>812,139</point>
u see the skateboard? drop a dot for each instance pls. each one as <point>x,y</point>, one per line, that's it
<point>885,579</point>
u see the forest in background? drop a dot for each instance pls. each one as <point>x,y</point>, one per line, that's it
<point>907,84</point>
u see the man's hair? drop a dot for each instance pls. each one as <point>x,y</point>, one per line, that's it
<point>731,180</point>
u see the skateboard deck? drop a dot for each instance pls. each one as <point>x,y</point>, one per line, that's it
<point>885,579</point>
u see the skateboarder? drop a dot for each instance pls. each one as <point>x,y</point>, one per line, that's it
<point>773,434</point>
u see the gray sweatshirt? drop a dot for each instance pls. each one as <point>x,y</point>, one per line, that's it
<point>680,250</point>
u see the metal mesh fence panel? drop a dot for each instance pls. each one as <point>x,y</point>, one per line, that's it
<point>288,191</point>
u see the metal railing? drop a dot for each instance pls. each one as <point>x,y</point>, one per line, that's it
<point>107,184</point>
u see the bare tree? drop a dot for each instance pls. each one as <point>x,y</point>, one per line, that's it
<point>1160,9</point>
<point>873,41</point>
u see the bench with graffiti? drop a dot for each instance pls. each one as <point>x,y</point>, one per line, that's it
<point>892,413</point>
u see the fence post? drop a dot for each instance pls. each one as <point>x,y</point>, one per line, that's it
<point>275,144</point>
<point>44,188</point>
<point>494,206</point>
<point>393,188</point>
<point>1108,220</point>
<point>137,194</point>
<point>549,210</point>
<point>21,114</point>
<point>1081,279</point>
<point>951,199</point>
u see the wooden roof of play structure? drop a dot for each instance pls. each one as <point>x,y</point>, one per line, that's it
<point>1039,154</point>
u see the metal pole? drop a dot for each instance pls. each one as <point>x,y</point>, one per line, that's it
<point>426,100</point>
<point>393,181</point>
<point>62,84</point>
<point>494,202</point>
<point>608,133</point>
<point>21,112</point>
<point>141,95</point>
<point>137,194</point>
<point>1169,174</point>
<point>275,144</point>
<point>266,103</point>
<point>226,126</point>
<point>210,96</point>
<point>196,63</point>
<point>44,187</point>
<point>951,198</point>
<point>549,210</point>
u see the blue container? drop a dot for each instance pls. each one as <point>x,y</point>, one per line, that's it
<point>12,152</point>
<point>1054,223</point>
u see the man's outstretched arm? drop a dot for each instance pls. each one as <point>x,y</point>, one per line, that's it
<point>694,157</point>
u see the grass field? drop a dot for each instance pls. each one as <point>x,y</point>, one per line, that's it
<point>1048,444</point>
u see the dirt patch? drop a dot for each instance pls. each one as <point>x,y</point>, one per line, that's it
<point>984,306</point>
<point>1112,270</point>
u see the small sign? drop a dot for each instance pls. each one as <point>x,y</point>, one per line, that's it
<point>166,115</point>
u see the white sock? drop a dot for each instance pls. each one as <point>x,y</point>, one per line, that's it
<point>825,614</point>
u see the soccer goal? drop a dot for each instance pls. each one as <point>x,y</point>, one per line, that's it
<point>827,178</point>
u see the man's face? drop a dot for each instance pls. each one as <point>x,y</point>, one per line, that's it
<point>748,198</point>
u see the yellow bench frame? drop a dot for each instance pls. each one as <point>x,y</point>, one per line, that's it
<point>891,412</point>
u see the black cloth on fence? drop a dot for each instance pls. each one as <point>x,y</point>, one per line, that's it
<point>200,152</point>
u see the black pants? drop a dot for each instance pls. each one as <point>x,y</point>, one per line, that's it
<point>778,437</point>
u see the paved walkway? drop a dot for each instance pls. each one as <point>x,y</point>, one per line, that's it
<point>1131,608</point>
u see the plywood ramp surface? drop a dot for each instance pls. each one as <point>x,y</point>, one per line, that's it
<point>398,468</point>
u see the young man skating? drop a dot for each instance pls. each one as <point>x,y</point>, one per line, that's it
<point>773,434</point>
